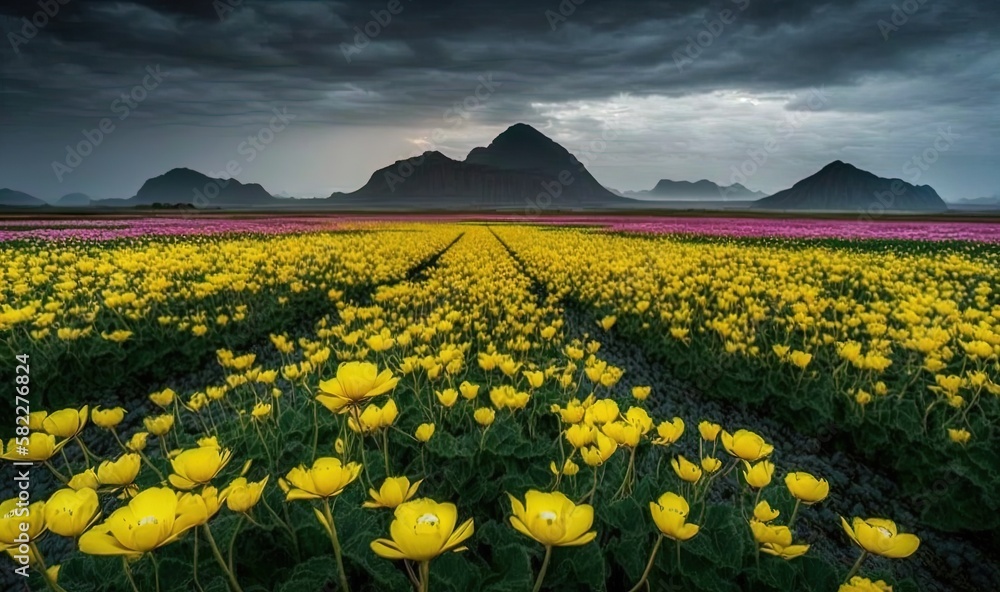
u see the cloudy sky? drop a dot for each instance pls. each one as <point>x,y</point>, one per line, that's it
<point>764,92</point>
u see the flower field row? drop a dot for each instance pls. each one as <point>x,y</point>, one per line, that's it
<point>457,429</point>
<point>892,348</point>
<point>85,303</point>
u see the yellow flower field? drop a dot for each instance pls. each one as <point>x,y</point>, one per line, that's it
<point>495,406</point>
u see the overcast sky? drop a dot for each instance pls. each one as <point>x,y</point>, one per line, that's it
<point>640,90</point>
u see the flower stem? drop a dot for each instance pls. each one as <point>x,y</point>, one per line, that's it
<point>150,464</point>
<point>194,564</point>
<point>649,565</point>
<point>156,571</point>
<point>219,559</point>
<point>232,542</point>
<point>425,576</point>
<point>336,544</point>
<point>545,568</point>
<point>50,582</point>
<point>56,472</point>
<point>856,567</point>
<point>128,574</point>
<point>795,513</point>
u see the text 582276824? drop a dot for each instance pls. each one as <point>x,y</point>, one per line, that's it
<point>22,470</point>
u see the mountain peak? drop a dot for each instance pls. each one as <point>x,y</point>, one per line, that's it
<point>843,187</point>
<point>522,147</point>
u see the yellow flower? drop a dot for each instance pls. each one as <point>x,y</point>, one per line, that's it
<point>800,358</point>
<point>447,397</point>
<point>607,322</point>
<point>394,491</point>
<point>163,398</point>
<point>159,425</point>
<point>327,477</point>
<point>107,418</point>
<point>603,411</point>
<point>669,431</point>
<point>880,537</point>
<point>120,472</point>
<point>69,512</point>
<point>35,420</point>
<point>484,416</point>
<point>151,519</point>
<point>261,410</point>
<point>786,552</point>
<point>421,530</point>
<point>710,464</point>
<point>137,442</point>
<point>768,534</point>
<point>14,517</point>
<point>685,469</point>
<point>197,466</point>
<point>639,418</point>
<point>569,468</point>
<point>40,447</point>
<point>424,432</point>
<point>860,584</point>
<point>87,478</point>
<point>641,393</point>
<point>763,512</point>
<point>243,495</point>
<point>580,435</point>
<point>553,519</point>
<point>670,514</point>
<point>746,445</point>
<point>624,434</point>
<point>709,431</point>
<point>601,450</point>
<point>535,378</point>
<point>807,488</point>
<point>66,423</point>
<point>863,397</point>
<point>959,436</point>
<point>355,384</point>
<point>759,474</point>
<point>469,391</point>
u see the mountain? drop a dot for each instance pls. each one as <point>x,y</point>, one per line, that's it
<point>73,200</point>
<point>184,186</point>
<point>19,199</point>
<point>845,188</point>
<point>982,201</point>
<point>699,190</point>
<point>521,168</point>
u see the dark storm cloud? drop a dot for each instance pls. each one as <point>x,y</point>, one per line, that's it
<point>432,52</point>
<point>228,62</point>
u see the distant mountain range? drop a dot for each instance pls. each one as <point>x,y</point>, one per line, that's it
<point>697,191</point>
<point>841,187</point>
<point>18,199</point>
<point>522,169</point>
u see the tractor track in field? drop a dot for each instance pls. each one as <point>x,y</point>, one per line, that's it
<point>946,562</point>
